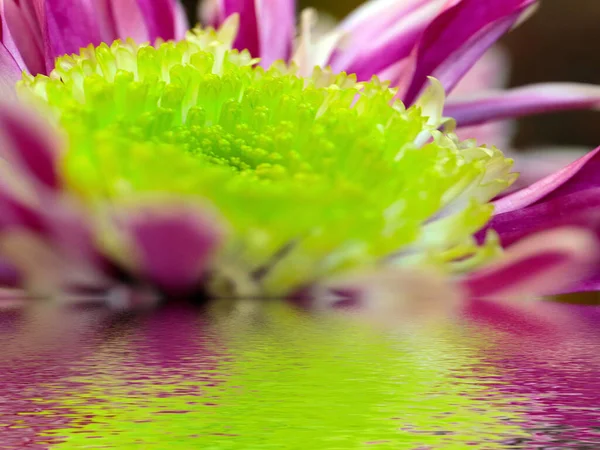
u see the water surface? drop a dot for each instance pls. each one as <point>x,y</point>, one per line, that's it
<point>496,377</point>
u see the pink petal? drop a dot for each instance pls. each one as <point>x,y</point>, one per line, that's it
<point>21,39</point>
<point>490,72</point>
<point>581,174</point>
<point>538,163</point>
<point>266,29</point>
<point>543,264</point>
<point>577,208</point>
<point>69,26</point>
<point>30,145</point>
<point>172,244</point>
<point>105,18</point>
<point>248,33</point>
<point>162,18</point>
<point>9,277</point>
<point>10,73</point>
<point>276,29</point>
<point>212,12</point>
<point>125,20</point>
<point>457,38</point>
<point>518,102</point>
<point>382,33</point>
<point>181,21</point>
<point>60,226</point>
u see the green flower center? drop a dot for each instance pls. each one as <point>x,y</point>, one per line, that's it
<point>314,175</point>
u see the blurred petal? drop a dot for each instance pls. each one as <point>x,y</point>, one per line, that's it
<point>522,101</point>
<point>211,12</point>
<point>457,38</point>
<point>30,145</point>
<point>316,42</point>
<point>490,72</point>
<point>543,264</point>
<point>172,244</point>
<point>578,208</point>
<point>69,26</point>
<point>162,17</point>
<point>535,164</point>
<point>276,29</point>
<point>382,33</point>
<point>21,39</point>
<point>124,19</point>
<point>9,276</point>
<point>182,24</point>
<point>394,294</point>
<point>579,175</point>
<point>267,27</point>
<point>248,32</point>
<point>10,73</point>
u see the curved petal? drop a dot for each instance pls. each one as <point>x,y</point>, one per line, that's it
<point>276,29</point>
<point>30,145</point>
<point>382,33</point>
<point>267,27</point>
<point>579,175</point>
<point>577,208</point>
<point>162,17</point>
<point>21,39</point>
<point>457,38</point>
<point>490,72</point>
<point>522,101</point>
<point>10,73</point>
<point>538,163</point>
<point>9,276</point>
<point>172,243</point>
<point>68,26</point>
<point>542,264</point>
<point>122,19</point>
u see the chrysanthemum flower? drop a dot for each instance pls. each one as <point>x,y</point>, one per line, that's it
<point>184,168</point>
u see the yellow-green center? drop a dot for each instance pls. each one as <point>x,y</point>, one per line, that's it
<point>328,169</point>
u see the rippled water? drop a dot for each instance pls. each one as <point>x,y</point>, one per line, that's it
<point>496,377</point>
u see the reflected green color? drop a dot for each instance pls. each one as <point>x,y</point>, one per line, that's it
<point>285,381</point>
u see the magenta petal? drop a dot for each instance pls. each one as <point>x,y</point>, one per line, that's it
<point>266,28</point>
<point>543,264</point>
<point>380,34</point>
<point>69,26</point>
<point>21,39</point>
<point>9,276</point>
<point>578,208</point>
<point>276,29</point>
<point>173,245</point>
<point>579,175</point>
<point>161,18</point>
<point>533,99</point>
<point>29,144</point>
<point>10,73</point>
<point>16,215</point>
<point>125,19</point>
<point>458,37</point>
<point>248,33</point>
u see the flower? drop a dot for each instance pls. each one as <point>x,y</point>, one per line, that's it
<point>184,169</point>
